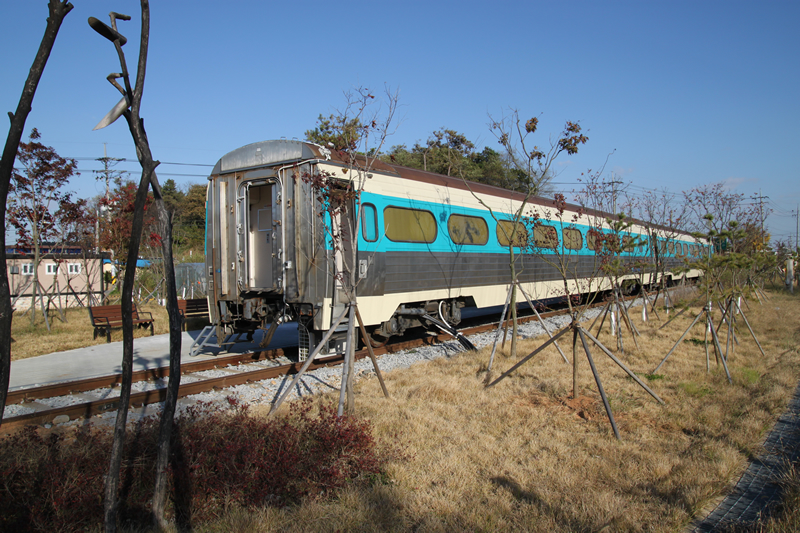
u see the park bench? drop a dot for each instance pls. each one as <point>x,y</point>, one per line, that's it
<point>105,317</point>
<point>193,308</point>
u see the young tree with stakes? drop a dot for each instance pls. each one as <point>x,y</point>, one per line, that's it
<point>661,212</point>
<point>58,9</point>
<point>615,246</point>
<point>129,107</point>
<point>358,133</point>
<point>576,279</point>
<point>534,166</point>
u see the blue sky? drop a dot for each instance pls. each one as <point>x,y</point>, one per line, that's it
<point>683,93</point>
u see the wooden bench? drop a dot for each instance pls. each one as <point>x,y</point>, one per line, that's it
<point>105,317</point>
<point>194,308</point>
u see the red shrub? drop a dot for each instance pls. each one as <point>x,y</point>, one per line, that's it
<point>220,457</point>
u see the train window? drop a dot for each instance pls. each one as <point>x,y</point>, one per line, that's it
<point>671,248</point>
<point>594,240</point>
<point>505,229</point>
<point>464,229</point>
<point>545,236</point>
<point>627,244</point>
<point>369,223</point>
<point>573,240</point>
<point>409,225</point>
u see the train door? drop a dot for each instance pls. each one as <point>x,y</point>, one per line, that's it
<point>260,235</point>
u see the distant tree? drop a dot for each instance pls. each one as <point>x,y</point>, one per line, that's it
<point>173,197</point>
<point>337,132</point>
<point>445,152</point>
<point>57,10</point>
<point>76,223</point>
<point>450,153</point>
<point>38,202</point>
<point>191,217</point>
<point>494,169</point>
<point>117,224</point>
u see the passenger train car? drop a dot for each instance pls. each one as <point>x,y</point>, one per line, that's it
<point>425,244</point>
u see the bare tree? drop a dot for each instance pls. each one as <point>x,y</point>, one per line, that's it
<point>358,133</point>
<point>534,166</point>
<point>664,216</point>
<point>57,11</point>
<point>132,96</point>
<point>724,207</point>
<point>558,234</point>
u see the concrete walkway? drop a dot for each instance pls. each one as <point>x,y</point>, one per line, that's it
<point>106,359</point>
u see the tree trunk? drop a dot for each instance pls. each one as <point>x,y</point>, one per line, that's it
<point>574,359</point>
<point>57,11</point>
<point>112,479</point>
<point>170,402</point>
<point>513,302</point>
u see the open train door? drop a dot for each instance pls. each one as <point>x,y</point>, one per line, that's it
<point>259,246</point>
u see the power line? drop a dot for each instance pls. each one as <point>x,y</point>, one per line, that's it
<point>135,161</point>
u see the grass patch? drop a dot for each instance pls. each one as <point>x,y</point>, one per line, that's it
<point>75,332</point>
<point>748,376</point>
<point>697,390</point>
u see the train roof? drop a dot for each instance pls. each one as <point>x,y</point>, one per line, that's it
<point>284,151</point>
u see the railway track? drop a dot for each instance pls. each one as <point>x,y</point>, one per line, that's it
<point>240,369</point>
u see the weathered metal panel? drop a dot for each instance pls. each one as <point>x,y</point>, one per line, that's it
<point>433,271</point>
<point>264,153</point>
<point>374,282</point>
<point>291,293</point>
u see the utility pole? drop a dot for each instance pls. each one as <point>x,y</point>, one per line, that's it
<point>613,183</point>
<point>108,173</point>
<point>760,199</point>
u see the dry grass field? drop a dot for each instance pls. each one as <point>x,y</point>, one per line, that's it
<point>525,456</point>
<point>76,332</point>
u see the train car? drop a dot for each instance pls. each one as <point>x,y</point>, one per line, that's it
<point>426,244</point>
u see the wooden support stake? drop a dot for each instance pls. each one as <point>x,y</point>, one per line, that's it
<point>599,383</point>
<point>497,335</point>
<point>371,353</point>
<point>308,362</point>
<point>702,313</point>
<point>544,325</point>
<point>752,333</point>
<point>529,356</point>
<point>624,367</point>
